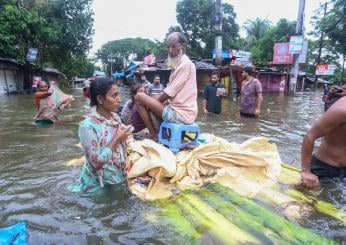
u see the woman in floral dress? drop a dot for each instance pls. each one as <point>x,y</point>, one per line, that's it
<point>102,136</point>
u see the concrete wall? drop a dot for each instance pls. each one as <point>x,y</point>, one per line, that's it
<point>11,78</point>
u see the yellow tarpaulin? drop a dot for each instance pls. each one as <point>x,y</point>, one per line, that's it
<point>246,168</point>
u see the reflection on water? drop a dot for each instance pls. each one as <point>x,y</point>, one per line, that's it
<point>34,178</point>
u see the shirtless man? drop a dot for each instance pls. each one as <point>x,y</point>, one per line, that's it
<point>329,161</point>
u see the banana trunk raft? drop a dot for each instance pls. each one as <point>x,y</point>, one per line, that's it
<point>227,192</point>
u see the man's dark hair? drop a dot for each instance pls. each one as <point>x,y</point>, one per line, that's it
<point>99,87</point>
<point>213,73</point>
<point>249,70</point>
<point>157,75</point>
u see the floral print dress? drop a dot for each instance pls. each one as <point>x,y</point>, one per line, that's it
<point>102,166</point>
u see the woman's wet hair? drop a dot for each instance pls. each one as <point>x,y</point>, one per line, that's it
<point>100,86</point>
<point>134,90</point>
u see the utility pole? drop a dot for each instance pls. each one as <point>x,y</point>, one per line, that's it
<point>295,67</point>
<point>218,32</point>
<point>318,60</point>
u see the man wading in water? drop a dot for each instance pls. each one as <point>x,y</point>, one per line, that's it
<point>329,161</point>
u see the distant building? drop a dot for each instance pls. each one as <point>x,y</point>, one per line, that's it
<point>12,76</point>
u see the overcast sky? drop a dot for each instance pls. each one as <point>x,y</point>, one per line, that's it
<point>117,19</point>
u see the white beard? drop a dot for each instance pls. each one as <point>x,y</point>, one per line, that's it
<point>173,62</point>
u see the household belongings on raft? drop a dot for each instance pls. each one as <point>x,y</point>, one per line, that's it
<point>154,172</point>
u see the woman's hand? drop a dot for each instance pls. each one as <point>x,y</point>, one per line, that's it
<point>122,133</point>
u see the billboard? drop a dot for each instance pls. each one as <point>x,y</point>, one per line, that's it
<point>325,69</point>
<point>281,54</point>
<point>242,58</point>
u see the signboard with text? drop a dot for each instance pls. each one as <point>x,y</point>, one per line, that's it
<point>281,54</point>
<point>32,54</point>
<point>303,53</point>
<point>242,58</point>
<point>325,69</point>
<point>296,44</point>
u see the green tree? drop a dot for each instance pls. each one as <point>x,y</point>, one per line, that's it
<point>330,37</point>
<point>61,30</point>
<point>255,30</point>
<point>73,24</point>
<point>262,52</point>
<point>335,26</point>
<point>21,29</point>
<point>125,49</point>
<point>196,19</point>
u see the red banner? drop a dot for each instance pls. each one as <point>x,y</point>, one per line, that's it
<point>281,54</point>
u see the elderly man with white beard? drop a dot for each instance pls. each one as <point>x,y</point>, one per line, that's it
<point>178,103</point>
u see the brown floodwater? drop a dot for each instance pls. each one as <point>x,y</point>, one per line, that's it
<point>34,176</point>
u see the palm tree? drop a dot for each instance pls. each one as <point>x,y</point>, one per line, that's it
<point>255,29</point>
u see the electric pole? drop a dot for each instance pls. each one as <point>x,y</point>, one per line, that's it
<point>218,32</point>
<point>295,68</point>
<point>318,60</point>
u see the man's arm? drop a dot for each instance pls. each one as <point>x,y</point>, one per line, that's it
<point>259,98</point>
<point>163,97</point>
<point>205,101</point>
<point>258,104</point>
<point>205,111</point>
<point>328,122</point>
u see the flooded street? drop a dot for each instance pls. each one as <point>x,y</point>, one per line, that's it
<point>34,176</point>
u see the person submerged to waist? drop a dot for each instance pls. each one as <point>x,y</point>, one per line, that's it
<point>334,156</point>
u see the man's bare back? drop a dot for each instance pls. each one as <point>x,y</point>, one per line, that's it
<point>331,127</point>
<point>333,147</point>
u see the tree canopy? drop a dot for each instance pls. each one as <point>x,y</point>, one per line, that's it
<point>118,51</point>
<point>330,30</point>
<point>262,51</point>
<point>196,19</point>
<point>61,30</point>
<point>255,29</point>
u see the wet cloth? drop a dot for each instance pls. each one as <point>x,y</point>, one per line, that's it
<point>169,115</point>
<point>212,98</point>
<point>51,102</point>
<point>182,90</point>
<point>249,94</point>
<point>102,166</point>
<point>324,170</point>
<point>246,168</point>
